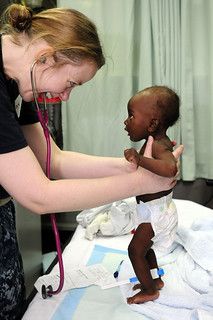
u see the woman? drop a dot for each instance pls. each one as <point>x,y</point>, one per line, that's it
<point>62,49</point>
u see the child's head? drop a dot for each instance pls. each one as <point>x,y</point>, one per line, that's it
<point>151,111</point>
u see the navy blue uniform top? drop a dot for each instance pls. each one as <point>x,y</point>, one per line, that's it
<point>11,135</point>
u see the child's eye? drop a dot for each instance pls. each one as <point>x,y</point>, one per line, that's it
<point>130,117</point>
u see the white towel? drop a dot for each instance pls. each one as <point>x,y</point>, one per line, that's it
<point>198,242</point>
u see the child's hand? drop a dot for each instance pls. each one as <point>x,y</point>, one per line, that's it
<point>132,155</point>
<point>174,143</point>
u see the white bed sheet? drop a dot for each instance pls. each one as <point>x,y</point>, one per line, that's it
<point>92,301</point>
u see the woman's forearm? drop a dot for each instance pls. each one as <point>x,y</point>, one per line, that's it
<point>77,194</point>
<point>68,164</point>
<point>35,191</point>
<point>77,165</point>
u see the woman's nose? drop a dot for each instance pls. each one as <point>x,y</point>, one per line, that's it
<point>64,96</point>
<point>125,122</point>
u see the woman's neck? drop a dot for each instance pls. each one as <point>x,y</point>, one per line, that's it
<point>15,57</point>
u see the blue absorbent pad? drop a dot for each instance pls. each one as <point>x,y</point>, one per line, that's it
<point>85,303</point>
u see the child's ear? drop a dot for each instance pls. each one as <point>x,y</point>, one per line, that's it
<point>153,126</point>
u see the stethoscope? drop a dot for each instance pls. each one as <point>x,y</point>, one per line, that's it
<point>43,119</point>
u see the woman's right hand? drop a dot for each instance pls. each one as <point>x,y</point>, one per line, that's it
<point>153,182</point>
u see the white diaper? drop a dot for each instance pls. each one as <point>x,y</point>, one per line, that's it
<point>162,215</point>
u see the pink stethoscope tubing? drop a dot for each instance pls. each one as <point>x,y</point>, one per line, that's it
<point>43,119</point>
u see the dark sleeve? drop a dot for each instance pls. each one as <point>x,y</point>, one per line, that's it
<point>11,136</point>
<point>28,114</point>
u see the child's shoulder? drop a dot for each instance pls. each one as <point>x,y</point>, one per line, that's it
<point>164,143</point>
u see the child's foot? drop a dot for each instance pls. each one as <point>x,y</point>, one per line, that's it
<point>143,296</point>
<point>137,286</point>
<point>159,284</point>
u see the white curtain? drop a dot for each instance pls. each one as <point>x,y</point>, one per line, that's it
<point>146,42</point>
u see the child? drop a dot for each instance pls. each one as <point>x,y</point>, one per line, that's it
<point>150,112</point>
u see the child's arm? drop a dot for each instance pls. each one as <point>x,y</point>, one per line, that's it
<point>163,163</point>
<point>165,167</point>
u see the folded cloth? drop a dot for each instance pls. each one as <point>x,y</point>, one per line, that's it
<point>114,219</point>
<point>121,217</point>
<point>85,217</point>
<point>94,226</point>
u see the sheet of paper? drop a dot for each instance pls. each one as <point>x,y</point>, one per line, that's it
<point>85,276</point>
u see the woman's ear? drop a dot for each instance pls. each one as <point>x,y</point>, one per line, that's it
<point>46,55</point>
<point>153,126</point>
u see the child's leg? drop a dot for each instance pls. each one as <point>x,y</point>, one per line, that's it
<point>138,248</point>
<point>152,261</point>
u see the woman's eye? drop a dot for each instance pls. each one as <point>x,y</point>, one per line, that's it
<point>72,84</point>
<point>130,117</point>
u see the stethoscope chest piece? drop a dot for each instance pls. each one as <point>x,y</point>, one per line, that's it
<point>46,292</point>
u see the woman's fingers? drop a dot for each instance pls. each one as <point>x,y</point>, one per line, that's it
<point>148,149</point>
<point>178,151</point>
